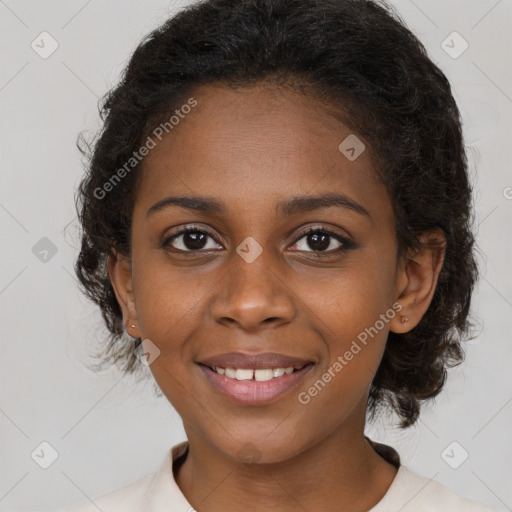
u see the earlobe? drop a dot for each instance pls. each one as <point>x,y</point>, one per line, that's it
<point>418,278</point>
<point>120,275</point>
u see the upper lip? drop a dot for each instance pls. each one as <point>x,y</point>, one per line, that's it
<point>254,361</point>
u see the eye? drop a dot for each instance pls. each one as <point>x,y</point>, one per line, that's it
<point>319,240</point>
<point>322,240</point>
<point>191,239</point>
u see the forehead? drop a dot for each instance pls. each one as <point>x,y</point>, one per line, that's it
<point>259,143</point>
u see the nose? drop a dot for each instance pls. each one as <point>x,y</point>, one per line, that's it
<point>253,296</point>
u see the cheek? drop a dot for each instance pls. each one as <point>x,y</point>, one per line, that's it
<point>353,312</point>
<point>167,300</point>
<point>355,338</point>
<point>350,300</point>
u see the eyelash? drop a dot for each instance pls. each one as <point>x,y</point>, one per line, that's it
<point>346,244</point>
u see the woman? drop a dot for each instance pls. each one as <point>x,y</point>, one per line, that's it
<point>278,212</point>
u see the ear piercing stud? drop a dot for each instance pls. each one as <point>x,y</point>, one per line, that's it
<point>404,319</point>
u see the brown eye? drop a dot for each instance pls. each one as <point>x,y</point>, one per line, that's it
<point>191,240</point>
<point>322,240</point>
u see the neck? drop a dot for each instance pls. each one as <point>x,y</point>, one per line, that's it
<point>340,472</point>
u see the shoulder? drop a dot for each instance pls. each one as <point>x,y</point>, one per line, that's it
<point>155,491</point>
<point>412,492</point>
<point>128,498</point>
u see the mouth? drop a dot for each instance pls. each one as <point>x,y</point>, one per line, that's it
<point>255,386</point>
<point>256,374</point>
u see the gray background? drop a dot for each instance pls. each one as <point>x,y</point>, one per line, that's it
<point>106,431</point>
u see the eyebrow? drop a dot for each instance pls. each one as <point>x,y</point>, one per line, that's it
<point>298,204</point>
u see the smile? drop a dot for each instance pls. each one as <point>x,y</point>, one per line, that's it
<point>260,386</point>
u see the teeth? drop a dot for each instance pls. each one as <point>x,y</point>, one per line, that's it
<point>263,374</point>
<point>230,372</point>
<point>244,374</point>
<point>260,375</point>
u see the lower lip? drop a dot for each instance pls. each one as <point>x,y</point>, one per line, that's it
<point>252,392</point>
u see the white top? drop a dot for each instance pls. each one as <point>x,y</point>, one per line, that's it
<point>159,492</point>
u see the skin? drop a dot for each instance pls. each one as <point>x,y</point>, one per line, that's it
<point>250,149</point>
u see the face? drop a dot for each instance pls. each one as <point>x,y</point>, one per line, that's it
<point>289,248</point>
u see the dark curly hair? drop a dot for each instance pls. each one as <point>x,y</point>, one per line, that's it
<point>360,59</point>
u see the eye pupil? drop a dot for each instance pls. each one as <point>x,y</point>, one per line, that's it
<point>194,240</point>
<point>318,242</point>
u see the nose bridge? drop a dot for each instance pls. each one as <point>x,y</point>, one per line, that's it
<point>255,277</point>
<point>252,293</point>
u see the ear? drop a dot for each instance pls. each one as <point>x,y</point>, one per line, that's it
<point>120,274</point>
<point>417,279</point>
